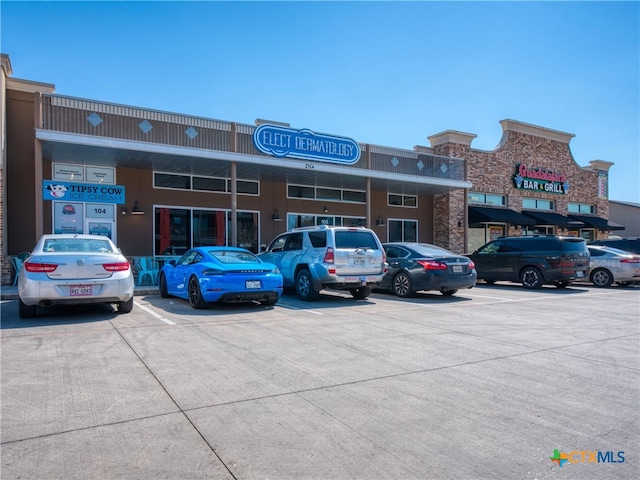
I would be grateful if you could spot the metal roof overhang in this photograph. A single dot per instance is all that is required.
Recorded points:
(89, 150)
(498, 215)
(550, 218)
(598, 222)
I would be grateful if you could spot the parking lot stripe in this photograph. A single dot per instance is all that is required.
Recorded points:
(301, 309)
(152, 313)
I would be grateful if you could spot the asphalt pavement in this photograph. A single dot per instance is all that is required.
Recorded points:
(497, 382)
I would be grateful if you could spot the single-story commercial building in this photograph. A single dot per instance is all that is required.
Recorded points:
(160, 182)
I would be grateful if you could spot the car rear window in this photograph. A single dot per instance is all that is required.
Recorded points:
(355, 239)
(77, 245)
(574, 245)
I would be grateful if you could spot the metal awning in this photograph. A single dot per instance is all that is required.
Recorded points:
(550, 218)
(498, 215)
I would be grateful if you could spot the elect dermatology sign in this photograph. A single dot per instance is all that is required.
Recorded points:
(288, 142)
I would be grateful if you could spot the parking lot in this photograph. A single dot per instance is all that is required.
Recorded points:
(485, 384)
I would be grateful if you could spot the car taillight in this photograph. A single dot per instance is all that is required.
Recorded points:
(329, 256)
(40, 267)
(630, 260)
(432, 265)
(471, 265)
(116, 267)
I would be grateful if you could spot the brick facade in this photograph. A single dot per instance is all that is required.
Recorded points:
(492, 172)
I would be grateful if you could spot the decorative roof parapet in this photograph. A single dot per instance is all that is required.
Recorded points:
(599, 165)
(451, 136)
(536, 131)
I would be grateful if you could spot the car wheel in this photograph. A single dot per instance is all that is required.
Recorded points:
(304, 286)
(125, 307)
(164, 293)
(402, 285)
(360, 293)
(601, 278)
(26, 311)
(489, 282)
(195, 295)
(448, 293)
(562, 284)
(531, 277)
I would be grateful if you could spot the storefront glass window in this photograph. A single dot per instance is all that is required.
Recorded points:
(537, 204)
(209, 228)
(403, 231)
(248, 231)
(173, 230)
(581, 208)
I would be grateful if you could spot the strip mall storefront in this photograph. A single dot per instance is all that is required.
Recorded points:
(159, 182)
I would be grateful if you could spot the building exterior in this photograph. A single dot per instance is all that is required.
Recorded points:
(160, 182)
(626, 214)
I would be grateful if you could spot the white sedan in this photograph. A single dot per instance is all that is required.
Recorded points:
(72, 269)
(609, 265)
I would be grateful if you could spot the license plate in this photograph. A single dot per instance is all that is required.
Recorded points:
(81, 290)
(579, 274)
(358, 261)
(252, 284)
(457, 269)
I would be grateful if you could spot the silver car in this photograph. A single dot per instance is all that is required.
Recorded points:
(339, 258)
(609, 265)
(71, 269)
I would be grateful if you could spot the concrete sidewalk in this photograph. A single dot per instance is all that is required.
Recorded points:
(9, 292)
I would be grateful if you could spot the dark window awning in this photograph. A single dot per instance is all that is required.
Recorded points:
(550, 218)
(498, 215)
(598, 222)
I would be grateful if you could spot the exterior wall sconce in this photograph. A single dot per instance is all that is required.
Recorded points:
(123, 210)
(325, 209)
(380, 221)
(136, 210)
(276, 216)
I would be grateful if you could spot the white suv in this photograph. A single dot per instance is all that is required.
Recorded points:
(340, 258)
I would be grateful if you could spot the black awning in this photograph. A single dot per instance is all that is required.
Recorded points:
(616, 226)
(550, 218)
(597, 222)
(498, 215)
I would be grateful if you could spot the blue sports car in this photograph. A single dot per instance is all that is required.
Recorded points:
(220, 274)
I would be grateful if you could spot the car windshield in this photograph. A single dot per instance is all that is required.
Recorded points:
(233, 256)
(77, 245)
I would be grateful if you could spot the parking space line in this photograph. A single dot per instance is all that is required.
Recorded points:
(152, 313)
(301, 309)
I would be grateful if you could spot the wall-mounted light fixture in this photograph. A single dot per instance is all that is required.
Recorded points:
(380, 221)
(136, 210)
(325, 209)
(123, 210)
(276, 216)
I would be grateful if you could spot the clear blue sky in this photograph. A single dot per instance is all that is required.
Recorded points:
(387, 73)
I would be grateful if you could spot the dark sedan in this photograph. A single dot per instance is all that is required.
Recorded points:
(422, 266)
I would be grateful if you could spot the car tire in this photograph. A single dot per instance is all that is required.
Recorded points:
(489, 282)
(402, 285)
(531, 277)
(304, 286)
(195, 295)
(601, 277)
(561, 284)
(26, 311)
(162, 282)
(360, 293)
(448, 293)
(125, 307)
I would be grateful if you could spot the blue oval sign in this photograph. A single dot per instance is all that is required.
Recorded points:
(288, 142)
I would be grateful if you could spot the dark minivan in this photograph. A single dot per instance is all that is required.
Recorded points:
(533, 260)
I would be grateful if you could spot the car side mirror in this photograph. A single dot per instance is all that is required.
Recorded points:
(172, 263)
(263, 248)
